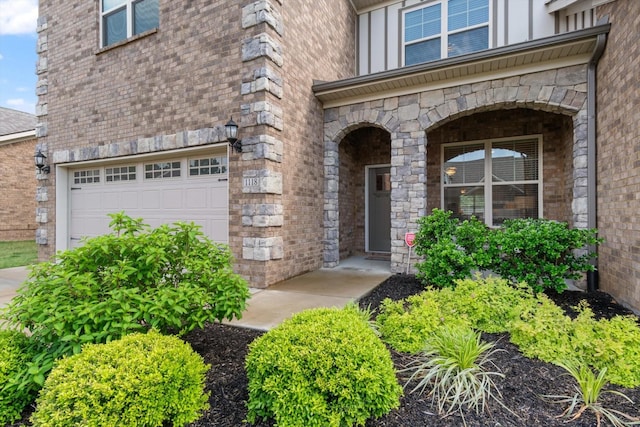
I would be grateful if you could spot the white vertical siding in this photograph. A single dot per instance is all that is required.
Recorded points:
(378, 40)
(544, 22)
(393, 35)
(512, 21)
(363, 44)
(518, 21)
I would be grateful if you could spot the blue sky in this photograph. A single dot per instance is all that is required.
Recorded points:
(18, 20)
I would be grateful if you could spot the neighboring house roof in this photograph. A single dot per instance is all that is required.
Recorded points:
(14, 122)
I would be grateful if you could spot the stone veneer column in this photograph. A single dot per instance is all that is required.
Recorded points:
(42, 89)
(265, 82)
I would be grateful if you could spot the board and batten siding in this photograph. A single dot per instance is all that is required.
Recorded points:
(511, 21)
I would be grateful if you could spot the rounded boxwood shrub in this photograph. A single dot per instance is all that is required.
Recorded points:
(140, 380)
(15, 354)
(322, 367)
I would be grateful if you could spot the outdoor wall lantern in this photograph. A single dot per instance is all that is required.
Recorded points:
(231, 128)
(40, 159)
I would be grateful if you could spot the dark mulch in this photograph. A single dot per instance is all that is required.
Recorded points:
(225, 348)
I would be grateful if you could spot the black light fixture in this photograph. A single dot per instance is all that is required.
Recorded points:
(231, 129)
(39, 160)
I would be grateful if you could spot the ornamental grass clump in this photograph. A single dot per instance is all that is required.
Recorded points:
(322, 367)
(141, 380)
(456, 370)
(589, 388)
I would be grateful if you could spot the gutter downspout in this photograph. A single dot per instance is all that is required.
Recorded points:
(592, 182)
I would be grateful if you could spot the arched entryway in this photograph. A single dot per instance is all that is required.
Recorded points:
(364, 192)
(502, 164)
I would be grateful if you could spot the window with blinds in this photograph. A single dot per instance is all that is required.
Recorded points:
(445, 29)
(494, 180)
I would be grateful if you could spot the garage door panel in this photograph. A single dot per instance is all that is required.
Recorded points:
(129, 200)
(151, 199)
(201, 199)
(172, 199)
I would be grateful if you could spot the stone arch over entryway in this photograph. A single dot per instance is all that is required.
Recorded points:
(408, 118)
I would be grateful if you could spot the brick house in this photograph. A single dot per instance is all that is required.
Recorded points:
(356, 118)
(17, 175)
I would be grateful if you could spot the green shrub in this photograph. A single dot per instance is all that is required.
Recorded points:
(455, 367)
(407, 324)
(321, 367)
(545, 332)
(451, 249)
(489, 305)
(140, 380)
(15, 353)
(171, 278)
(541, 253)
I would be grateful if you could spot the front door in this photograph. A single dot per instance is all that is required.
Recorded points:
(379, 209)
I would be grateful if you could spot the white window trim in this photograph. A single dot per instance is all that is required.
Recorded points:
(444, 30)
(488, 184)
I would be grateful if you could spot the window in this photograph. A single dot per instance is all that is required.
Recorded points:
(122, 19)
(161, 170)
(445, 29)
(91, 176)
(122, 173)
(514, 186)
(208, 166)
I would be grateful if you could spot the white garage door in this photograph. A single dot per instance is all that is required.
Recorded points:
(160, 191)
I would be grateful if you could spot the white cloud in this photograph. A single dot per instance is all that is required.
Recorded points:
(21, 104)
(1, 56)
(16, 102)
(18, 16)
(23, 89)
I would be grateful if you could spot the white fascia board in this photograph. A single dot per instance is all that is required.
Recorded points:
(17, 137)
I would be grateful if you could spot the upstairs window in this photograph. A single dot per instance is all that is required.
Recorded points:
(122, 19)
(445, 29)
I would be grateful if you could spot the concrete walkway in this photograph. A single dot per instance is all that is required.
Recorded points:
(10, 281)
(267, 308)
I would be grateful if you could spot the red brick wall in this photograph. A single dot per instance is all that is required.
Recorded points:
(618, 141)
(557, 139)
(18, 194)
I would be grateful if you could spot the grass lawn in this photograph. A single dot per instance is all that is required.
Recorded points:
(16, 254)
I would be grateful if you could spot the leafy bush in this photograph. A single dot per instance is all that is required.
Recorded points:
(171, 278)
(489, 305)
(15, 353)
(541, 253)
(321, 367)
(454, 366)
(406, 325)
(451, 249)
(545, 332)
(140, 380)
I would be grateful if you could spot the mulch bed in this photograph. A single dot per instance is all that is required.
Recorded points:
(225, 348)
